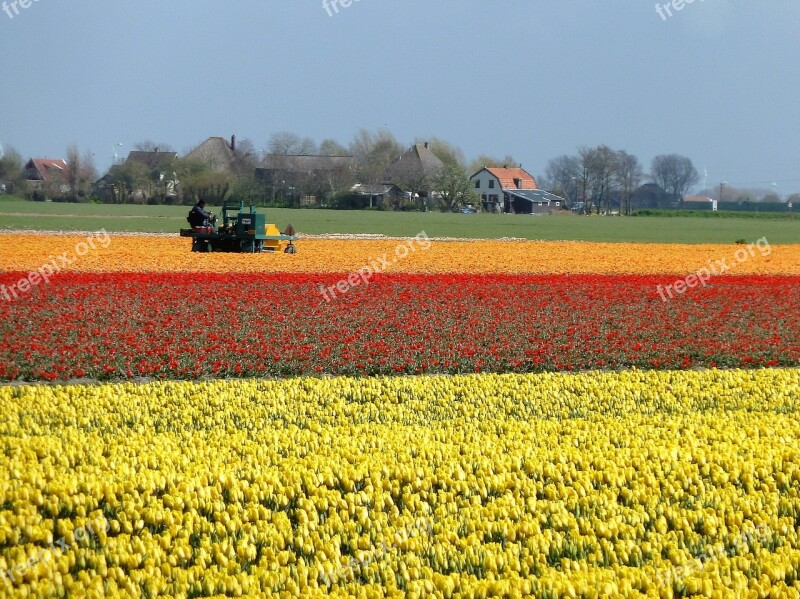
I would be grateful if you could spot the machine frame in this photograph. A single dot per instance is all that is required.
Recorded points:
(240, 232)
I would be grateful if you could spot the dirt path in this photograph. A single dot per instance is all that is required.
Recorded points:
(332, 236)
(121, 216)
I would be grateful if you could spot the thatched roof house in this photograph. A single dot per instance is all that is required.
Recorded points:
(152, 160)
(415, 165)
(217, 153)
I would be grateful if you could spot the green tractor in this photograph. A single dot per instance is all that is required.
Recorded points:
(240, 232)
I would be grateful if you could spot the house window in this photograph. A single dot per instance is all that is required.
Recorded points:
(518, 183)
(491, 183)
(477, 183)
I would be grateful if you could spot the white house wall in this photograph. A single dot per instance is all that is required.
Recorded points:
(484, 177)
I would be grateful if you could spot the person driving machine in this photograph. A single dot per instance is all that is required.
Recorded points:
(200, 217)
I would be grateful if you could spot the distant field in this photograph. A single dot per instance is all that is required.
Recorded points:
(18, 214)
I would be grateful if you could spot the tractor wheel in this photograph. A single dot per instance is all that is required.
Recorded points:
(290, 249)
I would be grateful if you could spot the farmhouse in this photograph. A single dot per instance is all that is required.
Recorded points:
(379, 195)
(512, 190)
(306, 176)
(48, 170)
(154, 160)
(415, 171)
(217, 153)
(157, 166)
(47, 173)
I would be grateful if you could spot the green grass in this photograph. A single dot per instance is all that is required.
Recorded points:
(715, 214)
(20, 214)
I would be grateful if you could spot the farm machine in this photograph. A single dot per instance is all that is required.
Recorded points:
(241, 231)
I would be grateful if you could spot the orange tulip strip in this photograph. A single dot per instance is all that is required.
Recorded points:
(172, 254)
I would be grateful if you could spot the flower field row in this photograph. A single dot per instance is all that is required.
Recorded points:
(190, 326)
(418, 255)
(597, 484)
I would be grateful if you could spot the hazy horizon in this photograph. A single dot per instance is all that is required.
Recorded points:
(713, 81)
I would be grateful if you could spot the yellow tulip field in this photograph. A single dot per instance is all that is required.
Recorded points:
(636, 483)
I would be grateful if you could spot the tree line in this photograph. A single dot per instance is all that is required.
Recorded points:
(175, 179)
(597, 179)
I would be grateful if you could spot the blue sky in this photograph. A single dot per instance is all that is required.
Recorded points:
(717, 81)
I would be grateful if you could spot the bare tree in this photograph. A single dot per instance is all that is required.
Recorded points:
(564, 173)
(332, 181)
(11, 169)
(150, 146)
(415, 182)
(490, 161)
(605, 165)
(675, 174)
(245, 158)
(73, 160)
(628, 174)
(374, 152)
(446, 152)
(87, 174)
(291, 144)
(81, 172)
(595, 179)
(331, 147)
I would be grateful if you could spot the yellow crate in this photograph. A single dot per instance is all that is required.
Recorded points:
(272, 244)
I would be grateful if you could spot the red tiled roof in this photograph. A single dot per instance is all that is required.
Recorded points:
(507, 176)
(50, 169)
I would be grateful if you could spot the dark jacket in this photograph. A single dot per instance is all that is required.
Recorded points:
(198, 216)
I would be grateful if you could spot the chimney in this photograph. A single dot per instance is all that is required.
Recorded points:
(426, 145)
(233, 143)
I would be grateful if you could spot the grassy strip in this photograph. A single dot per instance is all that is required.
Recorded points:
(49, 216)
